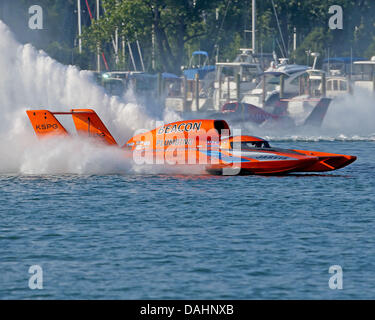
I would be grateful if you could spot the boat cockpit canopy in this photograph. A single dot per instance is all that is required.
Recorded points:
(249, 145)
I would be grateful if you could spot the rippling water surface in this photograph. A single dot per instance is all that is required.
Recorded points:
(192, 237)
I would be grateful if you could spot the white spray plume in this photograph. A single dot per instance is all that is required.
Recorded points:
(30, 79)
(349, 117)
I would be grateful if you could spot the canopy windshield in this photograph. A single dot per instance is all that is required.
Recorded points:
(247, 145)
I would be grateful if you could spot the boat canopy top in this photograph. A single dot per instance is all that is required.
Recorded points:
(204, 53)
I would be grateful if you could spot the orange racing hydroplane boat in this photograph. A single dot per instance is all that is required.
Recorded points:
(195, 142)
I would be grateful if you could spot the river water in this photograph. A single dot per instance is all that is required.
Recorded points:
(141, 236)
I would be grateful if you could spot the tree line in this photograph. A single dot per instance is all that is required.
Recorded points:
(166, 32)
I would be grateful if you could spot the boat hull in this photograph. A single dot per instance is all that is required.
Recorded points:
(262, 168)
(326, 161)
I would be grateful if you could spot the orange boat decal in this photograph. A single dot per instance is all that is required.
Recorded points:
(180, 127)
(224, 157)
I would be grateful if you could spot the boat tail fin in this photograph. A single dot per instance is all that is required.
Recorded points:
(45, 123)
(88, 123)
(317, 115)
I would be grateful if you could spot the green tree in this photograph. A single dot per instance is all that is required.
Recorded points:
(181, 26)
(173, 22)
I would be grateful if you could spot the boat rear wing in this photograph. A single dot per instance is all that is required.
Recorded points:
(86, 121)
(45, 123)
(316, 117)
